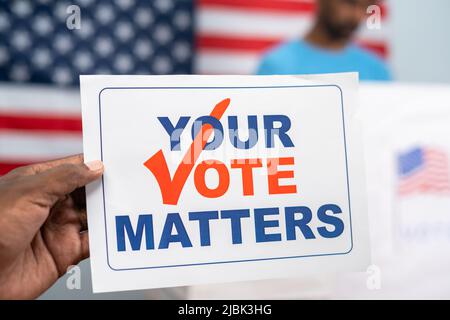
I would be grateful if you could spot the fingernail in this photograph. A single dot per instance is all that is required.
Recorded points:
(95, 165)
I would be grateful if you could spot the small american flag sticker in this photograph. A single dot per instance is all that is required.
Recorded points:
(423, 170)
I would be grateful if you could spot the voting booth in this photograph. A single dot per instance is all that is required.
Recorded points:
(409, 231)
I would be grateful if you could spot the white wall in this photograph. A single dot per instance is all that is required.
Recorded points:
(420, 40)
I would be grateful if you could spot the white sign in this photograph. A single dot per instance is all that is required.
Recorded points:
(223, 178)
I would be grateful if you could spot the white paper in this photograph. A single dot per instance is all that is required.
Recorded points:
(139, 242)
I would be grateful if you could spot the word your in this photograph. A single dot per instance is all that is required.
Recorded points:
(274, 126)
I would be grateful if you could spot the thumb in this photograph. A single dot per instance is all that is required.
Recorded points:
(59, 181)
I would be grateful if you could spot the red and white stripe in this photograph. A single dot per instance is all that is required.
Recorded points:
(432, 177)
(231, 35)
(37, 123)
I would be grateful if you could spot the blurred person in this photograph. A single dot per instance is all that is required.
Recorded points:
(43, 228)
(328, 46)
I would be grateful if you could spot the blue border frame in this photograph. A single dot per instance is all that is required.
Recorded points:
(231, 261)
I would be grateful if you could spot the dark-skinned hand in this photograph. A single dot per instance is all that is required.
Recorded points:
(43, 227)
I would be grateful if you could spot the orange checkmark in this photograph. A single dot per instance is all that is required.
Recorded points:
(171, 187)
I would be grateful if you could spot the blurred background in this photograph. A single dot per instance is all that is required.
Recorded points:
(45, 45)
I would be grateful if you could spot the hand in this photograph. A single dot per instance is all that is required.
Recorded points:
(43, 227)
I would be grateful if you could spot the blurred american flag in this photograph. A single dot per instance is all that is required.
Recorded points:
(41, 59)
(120, 37)
(423, 170)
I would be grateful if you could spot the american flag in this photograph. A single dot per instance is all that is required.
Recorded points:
(120, 37)
(423, 171)
(41, 59)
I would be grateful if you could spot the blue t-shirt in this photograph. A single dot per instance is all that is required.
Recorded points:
(299, 57)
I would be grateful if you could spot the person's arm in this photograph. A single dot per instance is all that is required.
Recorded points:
(43, 227)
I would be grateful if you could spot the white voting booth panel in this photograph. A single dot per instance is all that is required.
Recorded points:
(411, 264)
